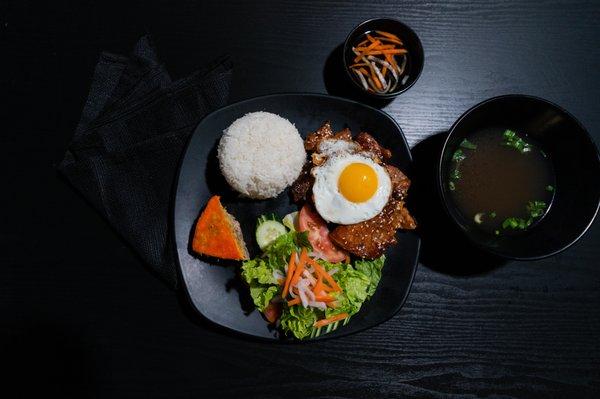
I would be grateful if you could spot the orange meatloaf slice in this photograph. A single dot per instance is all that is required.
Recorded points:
(218, 234)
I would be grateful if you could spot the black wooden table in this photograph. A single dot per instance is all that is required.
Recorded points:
(81, 316)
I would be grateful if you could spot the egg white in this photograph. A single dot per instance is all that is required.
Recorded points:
(333, 206)
(332, 147)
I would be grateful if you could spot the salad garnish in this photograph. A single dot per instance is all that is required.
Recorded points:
(304, 294)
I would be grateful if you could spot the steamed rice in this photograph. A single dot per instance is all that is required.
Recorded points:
(260, 154)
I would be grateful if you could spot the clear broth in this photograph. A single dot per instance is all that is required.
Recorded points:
(498, 181)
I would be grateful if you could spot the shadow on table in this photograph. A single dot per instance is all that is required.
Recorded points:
(444, 247)
(338, 83)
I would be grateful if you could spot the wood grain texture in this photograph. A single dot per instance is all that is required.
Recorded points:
(82, 317)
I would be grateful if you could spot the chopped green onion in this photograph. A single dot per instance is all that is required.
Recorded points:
(497, 232)
(510, 222)
(467, 144)
(511, 139)
(492, 214)
(549, 188)
(536, 208)
(509, 134)
(516, 223)
(458, 156)
(455, 174)
(451, 186)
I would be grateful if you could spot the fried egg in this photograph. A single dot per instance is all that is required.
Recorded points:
(350, 188)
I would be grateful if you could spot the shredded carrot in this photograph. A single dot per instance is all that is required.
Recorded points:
(330, 320)
(376, 79)
(318, 288)
(363, 71)
(373, 47)
(385, 47)
(370, 38)
(384, 52)
(366, 50)
(391, 60)
(326, 275)
(388, 35)
(299, 267)
(288, 278)
(324, 298)
(360, 64)
(384, 70)
(388, 40)
(293, 302)
(328, 288)
(363, 42)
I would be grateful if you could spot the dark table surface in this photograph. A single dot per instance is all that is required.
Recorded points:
(81, 316)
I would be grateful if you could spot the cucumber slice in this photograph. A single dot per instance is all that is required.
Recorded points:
(267, 231)
(291, 221)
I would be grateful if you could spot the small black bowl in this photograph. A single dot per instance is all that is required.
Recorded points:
(576, 165)
(415, 58)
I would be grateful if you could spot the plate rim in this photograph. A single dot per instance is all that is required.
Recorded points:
(183, 287)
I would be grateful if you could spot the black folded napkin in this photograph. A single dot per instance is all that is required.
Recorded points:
(124, 154)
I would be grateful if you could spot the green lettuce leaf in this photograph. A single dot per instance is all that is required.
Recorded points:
(354, 286)
(262, 294)
(259, 271)
(298, 320)
(279, 250)
(263, 285)
(371, 269)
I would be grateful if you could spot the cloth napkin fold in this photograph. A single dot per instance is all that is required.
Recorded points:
(126, 148)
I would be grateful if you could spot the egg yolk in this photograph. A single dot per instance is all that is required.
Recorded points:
(357, 182)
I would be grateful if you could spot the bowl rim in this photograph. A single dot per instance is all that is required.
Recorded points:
(445, 200)
(347, 69)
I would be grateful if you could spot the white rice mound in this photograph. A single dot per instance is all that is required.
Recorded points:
(260, 154)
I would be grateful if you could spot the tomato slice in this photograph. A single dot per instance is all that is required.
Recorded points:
(272, 312)
(318, 235)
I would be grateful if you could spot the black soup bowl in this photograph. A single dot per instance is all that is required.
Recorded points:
(576, 164)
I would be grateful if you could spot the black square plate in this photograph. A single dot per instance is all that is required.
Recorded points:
(214, 287)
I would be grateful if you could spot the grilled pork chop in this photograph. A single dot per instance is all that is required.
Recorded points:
(369, 239)
(302, 187)
(400, 183)
(368, 143)
(344, 134)
(313, 139)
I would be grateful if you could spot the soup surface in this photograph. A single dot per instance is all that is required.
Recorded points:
(501, 181)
